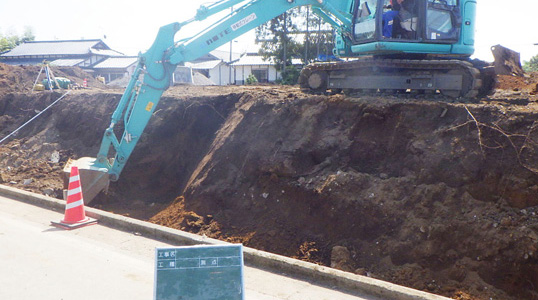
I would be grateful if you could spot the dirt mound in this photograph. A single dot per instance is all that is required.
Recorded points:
(22, 78)
(432, 195)
(527, 84)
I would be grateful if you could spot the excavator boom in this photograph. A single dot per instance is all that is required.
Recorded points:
(153, 74)
(399, 37)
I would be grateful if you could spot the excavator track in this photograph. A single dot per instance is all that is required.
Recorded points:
(452, 78)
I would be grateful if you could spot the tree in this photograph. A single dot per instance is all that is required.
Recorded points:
(531, 65)
(297, 33)
(318, 37)
(290, 75)
(276, 39)
(11, 41)
(251, 79)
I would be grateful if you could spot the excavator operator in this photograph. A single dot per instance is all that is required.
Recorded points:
(401, 20)
(391, 13)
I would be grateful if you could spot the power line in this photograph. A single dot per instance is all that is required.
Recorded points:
(23, 125)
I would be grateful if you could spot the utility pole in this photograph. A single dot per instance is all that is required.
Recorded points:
(319, 35)
(306, 40)
(231, 57)
(285, 42)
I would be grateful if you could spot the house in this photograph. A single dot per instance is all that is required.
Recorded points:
(116, 67)
(216, 66)
(217, 71)
(95, 57)
(80, 53)
(264, 70)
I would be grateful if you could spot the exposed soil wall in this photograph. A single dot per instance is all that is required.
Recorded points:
(434, 195)
(419, 193)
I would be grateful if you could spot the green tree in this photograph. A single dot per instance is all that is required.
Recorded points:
(10, 41)
(298, 34)
(275, 38)
(318, 36)
(290, 75)
(251, 79)
(531, 65)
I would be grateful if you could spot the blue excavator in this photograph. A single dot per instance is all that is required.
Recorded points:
(422, 46)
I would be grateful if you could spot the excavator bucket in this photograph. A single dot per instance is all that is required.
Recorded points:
(507, 62)
(92, 179)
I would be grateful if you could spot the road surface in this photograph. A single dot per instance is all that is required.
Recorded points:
(97, 262)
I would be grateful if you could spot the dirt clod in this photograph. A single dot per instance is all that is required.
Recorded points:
(341, 259)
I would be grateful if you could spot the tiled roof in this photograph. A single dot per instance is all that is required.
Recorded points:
(105, 52)
(67, 62)
(116, 62)
(80, 47)
(225, 55)
(219, 55)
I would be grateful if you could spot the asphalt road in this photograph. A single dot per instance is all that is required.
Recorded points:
(96, 262)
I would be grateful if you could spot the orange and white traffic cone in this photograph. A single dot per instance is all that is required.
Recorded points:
(75, 216)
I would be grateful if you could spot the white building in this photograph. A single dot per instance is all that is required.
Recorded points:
(216, 66)
(215, 70)
(264, 70)
(116, 67)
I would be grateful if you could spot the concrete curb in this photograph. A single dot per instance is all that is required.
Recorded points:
(256, 258)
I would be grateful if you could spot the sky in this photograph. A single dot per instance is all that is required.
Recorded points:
(131, 26)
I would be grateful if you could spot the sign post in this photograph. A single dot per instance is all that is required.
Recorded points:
(199, 272)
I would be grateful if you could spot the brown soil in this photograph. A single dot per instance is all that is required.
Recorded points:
(433, 195)
(527, 85)
(22, 78)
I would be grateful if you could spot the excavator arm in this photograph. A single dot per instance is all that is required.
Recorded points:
(153, 75)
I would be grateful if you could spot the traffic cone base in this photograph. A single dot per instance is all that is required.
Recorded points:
(88, 221)
(75, 217)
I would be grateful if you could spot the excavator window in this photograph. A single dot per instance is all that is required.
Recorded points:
(365, 11)
(441, 20)
(436, 21)
(365, 21)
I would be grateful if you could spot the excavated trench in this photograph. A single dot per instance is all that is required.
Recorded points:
(434, 195)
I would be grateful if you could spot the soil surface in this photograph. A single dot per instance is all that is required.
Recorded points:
(416, 190)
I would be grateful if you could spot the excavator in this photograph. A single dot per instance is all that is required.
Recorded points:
(384, 45)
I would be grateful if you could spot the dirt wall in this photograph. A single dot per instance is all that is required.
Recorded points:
(433, 195)
(440, 197)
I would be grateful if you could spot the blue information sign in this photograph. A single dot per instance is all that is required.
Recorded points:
(199, 273)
